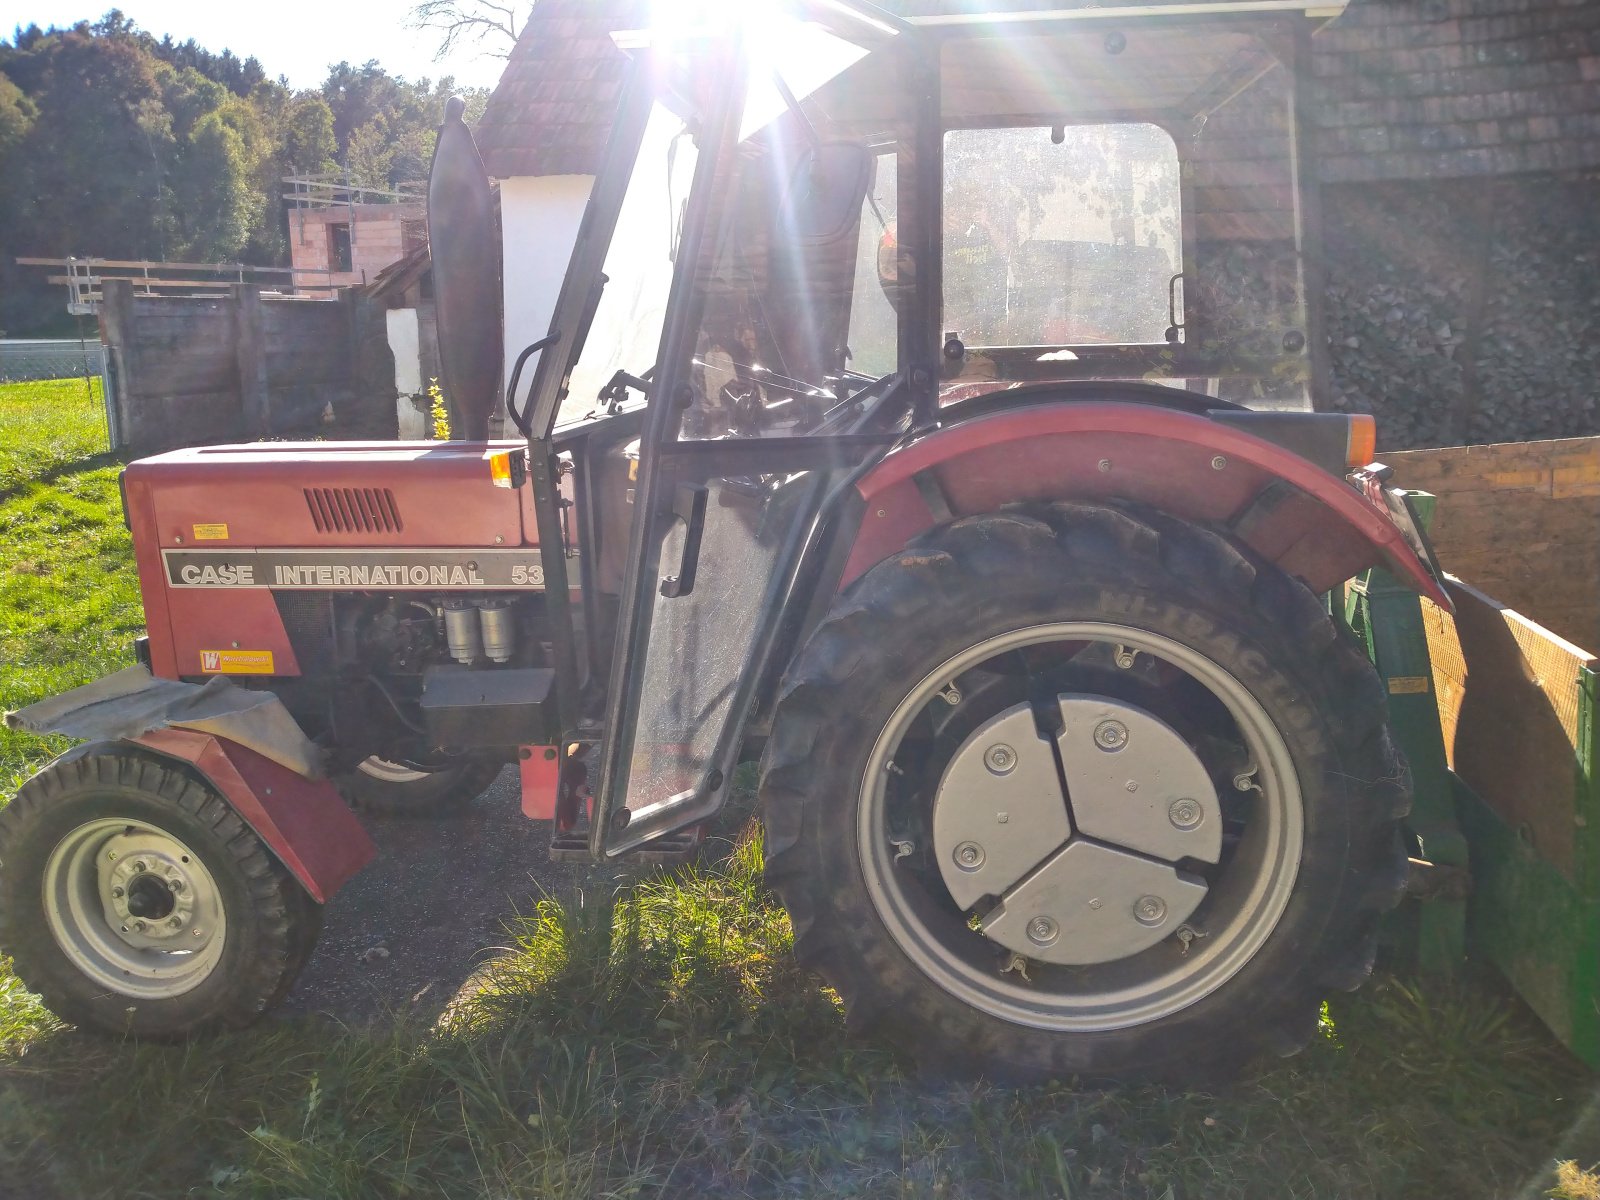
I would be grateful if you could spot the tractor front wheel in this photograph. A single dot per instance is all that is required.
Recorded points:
(134, 900)
(1086, 791)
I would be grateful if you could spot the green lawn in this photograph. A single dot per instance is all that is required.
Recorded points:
(670, 1047)
(67, 588)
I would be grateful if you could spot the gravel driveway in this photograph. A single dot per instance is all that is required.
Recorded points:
(436, 899)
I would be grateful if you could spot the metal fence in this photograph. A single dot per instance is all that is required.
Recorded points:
(22, 360)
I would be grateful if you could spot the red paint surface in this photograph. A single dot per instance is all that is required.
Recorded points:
(214, 620)
(153, 590)
(540, 770)
(1156, 456)
(442, 490)
(305, 821)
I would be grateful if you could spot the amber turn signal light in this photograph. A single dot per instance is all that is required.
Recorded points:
(1361, 442)
(508, 469)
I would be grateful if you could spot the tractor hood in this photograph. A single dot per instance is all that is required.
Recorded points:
(370, 494)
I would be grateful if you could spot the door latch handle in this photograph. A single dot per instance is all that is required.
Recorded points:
(688, 506)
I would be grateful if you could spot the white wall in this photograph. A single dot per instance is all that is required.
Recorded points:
(539, 220)
(406, 345)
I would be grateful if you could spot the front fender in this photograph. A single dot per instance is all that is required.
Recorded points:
(1313, 525)
(305, 822)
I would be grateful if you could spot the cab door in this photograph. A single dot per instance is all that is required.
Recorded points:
(759, 407)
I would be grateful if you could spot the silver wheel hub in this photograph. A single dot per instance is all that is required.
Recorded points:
(147, 889)
(134, 909)
(1083, 871)
(1081, 858)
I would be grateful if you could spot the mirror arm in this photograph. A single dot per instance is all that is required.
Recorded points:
(793, 105)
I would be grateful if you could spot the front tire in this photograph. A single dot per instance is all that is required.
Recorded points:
(1173, 626)
(134, 900)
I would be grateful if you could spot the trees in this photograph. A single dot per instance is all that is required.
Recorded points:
(116, 144)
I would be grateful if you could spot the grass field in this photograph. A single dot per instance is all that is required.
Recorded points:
(668, 1046)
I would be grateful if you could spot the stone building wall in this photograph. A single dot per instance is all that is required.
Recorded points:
(1465, 311)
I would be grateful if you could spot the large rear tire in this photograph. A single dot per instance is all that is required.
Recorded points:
(134, 900)
(1175, 627)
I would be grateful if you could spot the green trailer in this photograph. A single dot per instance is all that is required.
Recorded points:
(1495, 705)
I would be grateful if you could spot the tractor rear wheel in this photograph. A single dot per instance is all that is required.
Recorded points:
(134, 900)
(390, 788)
(1083, 791)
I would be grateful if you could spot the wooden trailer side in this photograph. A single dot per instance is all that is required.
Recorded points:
(1521, 522)
(1518, 712)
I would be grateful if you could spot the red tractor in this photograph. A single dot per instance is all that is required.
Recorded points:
(927, 413)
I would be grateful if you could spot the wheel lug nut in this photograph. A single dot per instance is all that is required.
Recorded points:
(177, 885)
(175, 923)
(116, 893)
(139, 926)
(1150, 910)
(138, 866)
(1043, 930)
(1185, 814)
(1000, 758)
(1111, 735)
(969, 856)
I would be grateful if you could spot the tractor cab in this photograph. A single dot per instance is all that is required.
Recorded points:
(824, 232)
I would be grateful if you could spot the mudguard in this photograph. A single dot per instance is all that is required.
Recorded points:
(1312, 524)
(305, 821)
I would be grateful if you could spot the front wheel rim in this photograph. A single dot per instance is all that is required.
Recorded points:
(134, 909)
(1144, 988)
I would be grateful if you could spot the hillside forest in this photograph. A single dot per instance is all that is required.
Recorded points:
(117, 144)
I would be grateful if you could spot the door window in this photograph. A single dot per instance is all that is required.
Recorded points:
(1061, 236)
(873, 342)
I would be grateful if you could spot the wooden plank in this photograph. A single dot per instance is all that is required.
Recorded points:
(219, 269)
(1521, 521)
(1509, 707)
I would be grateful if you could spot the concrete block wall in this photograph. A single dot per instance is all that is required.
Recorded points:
(188, 370)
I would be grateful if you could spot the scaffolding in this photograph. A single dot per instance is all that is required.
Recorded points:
(84, 277)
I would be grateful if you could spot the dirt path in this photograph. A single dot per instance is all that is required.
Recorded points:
(436, 899)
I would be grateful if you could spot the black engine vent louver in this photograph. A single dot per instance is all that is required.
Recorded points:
(353, 510)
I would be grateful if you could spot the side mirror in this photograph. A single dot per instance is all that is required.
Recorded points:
(825, 194)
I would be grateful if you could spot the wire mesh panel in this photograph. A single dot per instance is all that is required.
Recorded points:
(25, 361)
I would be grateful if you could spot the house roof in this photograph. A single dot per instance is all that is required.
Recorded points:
(1403, 89)
(399, 275)
(552, 110)
(1435, 89)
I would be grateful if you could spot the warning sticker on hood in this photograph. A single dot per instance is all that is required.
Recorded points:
(236, 662)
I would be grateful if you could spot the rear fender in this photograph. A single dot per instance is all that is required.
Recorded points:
(304, 821)
(1313, 525)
